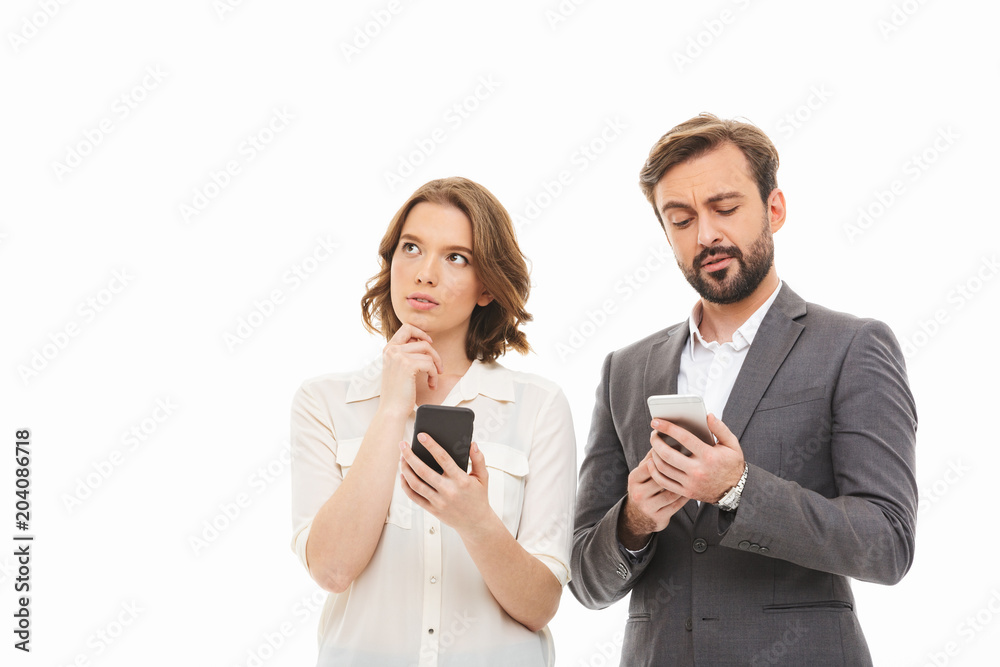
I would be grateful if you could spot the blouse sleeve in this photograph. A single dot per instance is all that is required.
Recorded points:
(546, 527)
(314, 469)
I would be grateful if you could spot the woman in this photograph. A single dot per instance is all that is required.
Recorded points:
(424, 568)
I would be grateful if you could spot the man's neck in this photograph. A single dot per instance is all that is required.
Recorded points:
(720, 321)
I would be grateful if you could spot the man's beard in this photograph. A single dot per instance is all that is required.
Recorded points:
(750, 271)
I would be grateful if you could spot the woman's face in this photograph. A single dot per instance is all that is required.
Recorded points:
(433, 280)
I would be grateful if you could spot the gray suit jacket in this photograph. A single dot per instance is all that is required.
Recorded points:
(826, 420)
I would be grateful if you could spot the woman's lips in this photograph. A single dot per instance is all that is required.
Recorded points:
(421, 302)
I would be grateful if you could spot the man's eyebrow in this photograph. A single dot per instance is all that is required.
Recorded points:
(673, 204)
(723, 196)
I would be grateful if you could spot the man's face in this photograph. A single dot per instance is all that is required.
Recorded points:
(717, 225)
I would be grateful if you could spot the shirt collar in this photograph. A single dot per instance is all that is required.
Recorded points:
(742, 337)
(488, 379)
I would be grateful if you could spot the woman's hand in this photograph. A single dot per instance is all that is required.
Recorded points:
(405, 359)
(456, 498)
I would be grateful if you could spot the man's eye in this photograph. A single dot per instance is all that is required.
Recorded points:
(681, 223)
(730, 211)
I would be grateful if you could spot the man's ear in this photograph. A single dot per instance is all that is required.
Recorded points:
(776, 209)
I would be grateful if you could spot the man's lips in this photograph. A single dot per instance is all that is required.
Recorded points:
(716, 263)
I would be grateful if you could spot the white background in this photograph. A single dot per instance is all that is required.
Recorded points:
(849, 98)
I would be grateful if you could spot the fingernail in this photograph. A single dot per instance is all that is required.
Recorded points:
(422, 437)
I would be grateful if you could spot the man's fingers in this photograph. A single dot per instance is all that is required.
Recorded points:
(692, 442)
(661, 480)
(667, 453)
(722, 433)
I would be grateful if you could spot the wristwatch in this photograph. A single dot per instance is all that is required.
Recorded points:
(730, 501)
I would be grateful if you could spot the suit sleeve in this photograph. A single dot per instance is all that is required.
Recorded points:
(867, 530)
(601, 574)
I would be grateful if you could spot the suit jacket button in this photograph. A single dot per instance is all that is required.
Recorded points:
(764, 550)
(744, 545)
(622, 571)
(755, 547)
(688, 625)
(700, 545)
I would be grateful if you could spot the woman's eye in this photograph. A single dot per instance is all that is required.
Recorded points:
(457, 259)
(408, 248)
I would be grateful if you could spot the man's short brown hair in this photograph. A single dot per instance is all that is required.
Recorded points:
(697, 136)
(496, 258)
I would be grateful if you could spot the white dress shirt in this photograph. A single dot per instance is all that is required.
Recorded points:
(709, 368)
(421, 600)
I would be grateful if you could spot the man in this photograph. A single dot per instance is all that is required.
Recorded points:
(741, 552)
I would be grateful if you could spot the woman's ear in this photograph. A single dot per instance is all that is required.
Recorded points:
(484, 299)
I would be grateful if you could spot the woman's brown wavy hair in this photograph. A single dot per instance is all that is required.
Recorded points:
(497, 259)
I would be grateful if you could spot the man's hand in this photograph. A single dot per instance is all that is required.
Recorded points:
(708, 473)
(648, 507)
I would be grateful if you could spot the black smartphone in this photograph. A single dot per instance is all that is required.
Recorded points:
(451, 427)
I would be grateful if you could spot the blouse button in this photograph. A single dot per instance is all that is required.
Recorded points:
(431, 531)
(434, 580)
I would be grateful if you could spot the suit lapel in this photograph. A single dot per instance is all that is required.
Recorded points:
(662, 366)
(774, 340)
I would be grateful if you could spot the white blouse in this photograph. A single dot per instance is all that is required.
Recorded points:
(421, 600)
